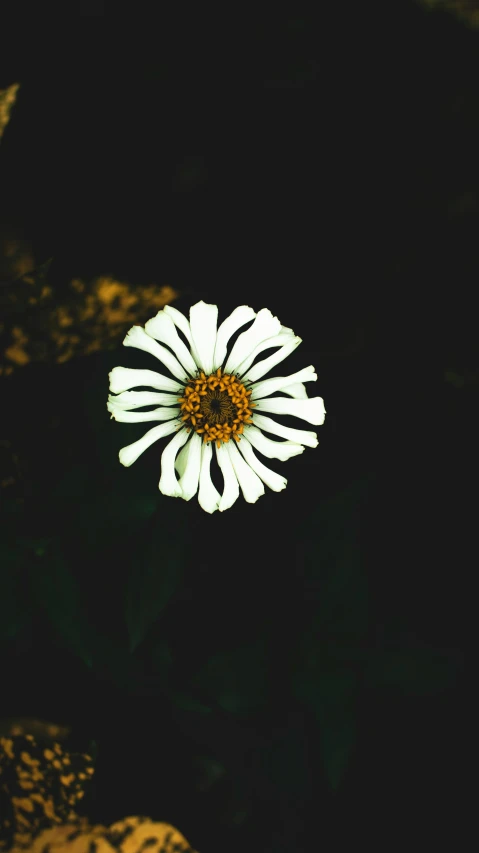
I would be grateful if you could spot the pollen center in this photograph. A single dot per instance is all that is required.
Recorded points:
(216, 406)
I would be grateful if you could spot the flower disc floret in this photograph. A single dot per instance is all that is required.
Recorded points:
(217, 406)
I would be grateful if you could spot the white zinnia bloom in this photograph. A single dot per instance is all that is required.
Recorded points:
(216, 398)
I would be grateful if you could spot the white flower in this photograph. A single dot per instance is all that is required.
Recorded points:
(215, 398)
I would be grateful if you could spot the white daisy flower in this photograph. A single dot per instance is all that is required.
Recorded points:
(217, 398)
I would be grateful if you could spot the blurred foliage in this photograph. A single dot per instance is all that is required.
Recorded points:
(38, 326)
(41, 785)
(7, 99)
(462, 378)
(465, 10)
(130, 835)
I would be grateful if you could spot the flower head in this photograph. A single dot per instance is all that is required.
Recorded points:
(215, 399)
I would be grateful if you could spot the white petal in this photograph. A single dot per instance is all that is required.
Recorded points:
(181, 460)
(279, 383)
(311, 410)
(273, 480)
(300, 436)
(265, 326)
(131, 452)
(272, 449)
(231, 489)
(190, 471)
(164, 413)
(241, 315)
(208, 497)
(180, 321)
(276, 341)
(183, 324)
(136, 399)
(203, 319)
(137, 337)
(286, 330)
(259, 370)
(250, 483)
(297, 390)
(124, 378)
(163, 329)
(168, 484)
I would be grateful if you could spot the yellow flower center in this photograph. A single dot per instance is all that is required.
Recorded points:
(216, 406)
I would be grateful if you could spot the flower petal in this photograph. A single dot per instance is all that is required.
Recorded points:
(168, 484)
(137, 337)
(203, 319)
(181, 460)
(250, 483)
(131, 452)
(297, 390)
(189, 470)
(180, 321)
(136, 399)
(231, 489)
(265, 326)
(208, 496)
(258, 370)
(311, 410)
(300, 436)
(183, 324)
(164, 413)
(124, 378)
(273, 480)
(272, 449)
(241, 315)
(270, 386)
(276, 341)
(163, 329)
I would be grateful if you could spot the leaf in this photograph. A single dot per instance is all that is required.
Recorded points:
(236, 679)
(104, 520)
(13, 607)
(57, 590)
(421, 671)
(21, 297)
(188, 703)
(337, 725)
(330, 695)
(287, 759)
(156, 570)
(329, 553)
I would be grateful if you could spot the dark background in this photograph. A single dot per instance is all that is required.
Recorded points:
(305, 678)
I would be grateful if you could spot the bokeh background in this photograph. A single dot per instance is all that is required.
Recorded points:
(293, 671)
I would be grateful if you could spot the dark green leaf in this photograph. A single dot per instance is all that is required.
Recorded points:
(329, 554)
(188, 703)
(157, 568)
(330, 694)
(14, 612)
(419, 671)
(337, 726)
(287, 759)
(236, 679)
(57, 590)
(104, 520)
